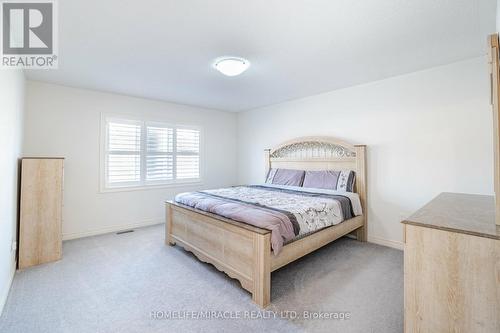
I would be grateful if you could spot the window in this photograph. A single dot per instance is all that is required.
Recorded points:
(139, 153)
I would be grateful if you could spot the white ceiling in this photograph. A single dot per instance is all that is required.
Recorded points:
(163, 49)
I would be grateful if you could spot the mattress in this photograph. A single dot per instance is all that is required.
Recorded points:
(289, 212)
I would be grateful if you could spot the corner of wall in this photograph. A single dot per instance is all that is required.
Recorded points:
(6, 287)
(12, 88)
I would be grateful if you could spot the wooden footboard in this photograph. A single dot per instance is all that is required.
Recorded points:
(240, 250)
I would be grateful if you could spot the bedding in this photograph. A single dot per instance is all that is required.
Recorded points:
(342, 180)
(346, 181)
(289, 212)
(286, 177)
(326, 179)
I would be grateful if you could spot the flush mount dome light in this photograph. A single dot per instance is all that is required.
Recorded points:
(231, 66)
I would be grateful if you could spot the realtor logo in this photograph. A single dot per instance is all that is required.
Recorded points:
(29, 34)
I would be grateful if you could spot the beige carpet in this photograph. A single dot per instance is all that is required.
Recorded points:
(131, 282)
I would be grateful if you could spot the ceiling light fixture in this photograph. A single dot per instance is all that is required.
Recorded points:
(231, 66)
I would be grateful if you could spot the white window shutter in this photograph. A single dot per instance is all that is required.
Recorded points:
(139, 153)
(188, 153)
(123, 158)
(159, 153)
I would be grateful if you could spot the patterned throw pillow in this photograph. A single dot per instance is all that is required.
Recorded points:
(346, 181)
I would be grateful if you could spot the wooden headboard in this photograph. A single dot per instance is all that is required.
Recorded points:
(321, 153)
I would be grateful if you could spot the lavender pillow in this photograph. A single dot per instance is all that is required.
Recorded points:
(326, 179)
(286, 177)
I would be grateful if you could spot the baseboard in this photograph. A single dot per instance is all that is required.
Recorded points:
(386, 242)
(382, 241)
(94, 232)
(6, 288)
(114, 228)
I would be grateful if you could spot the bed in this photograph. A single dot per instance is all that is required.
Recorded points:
(250, 253)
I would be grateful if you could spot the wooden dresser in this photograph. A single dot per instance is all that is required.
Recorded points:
(40, 234)
(452, 266)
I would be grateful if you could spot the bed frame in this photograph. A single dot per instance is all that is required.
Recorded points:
(243, 251)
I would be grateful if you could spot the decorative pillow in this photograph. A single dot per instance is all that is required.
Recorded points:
(326, 179)
(270, 175)
(346, 181)
(285, 177)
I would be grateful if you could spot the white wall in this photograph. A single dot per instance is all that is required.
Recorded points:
(63, 121)
(498, 16)
(426, 132)
(11, 134)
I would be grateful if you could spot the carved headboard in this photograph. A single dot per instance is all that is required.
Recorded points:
(321, 153)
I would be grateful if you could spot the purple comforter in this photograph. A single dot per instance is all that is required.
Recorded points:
(286, 213)
(279, 223)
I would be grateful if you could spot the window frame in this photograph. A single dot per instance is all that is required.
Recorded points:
(143, 184)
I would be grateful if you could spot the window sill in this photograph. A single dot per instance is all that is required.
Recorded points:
(149, 187)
